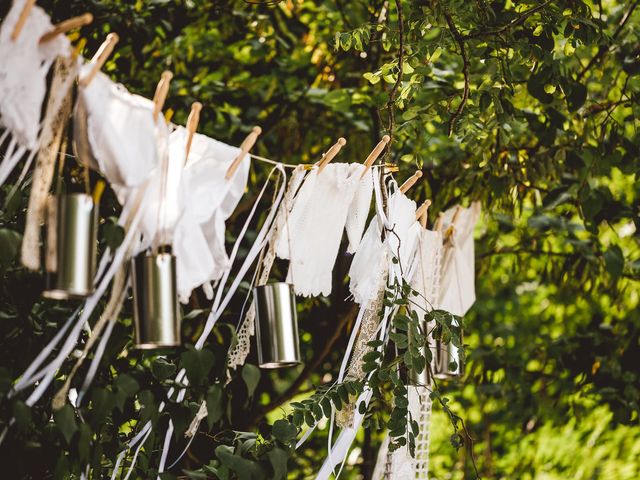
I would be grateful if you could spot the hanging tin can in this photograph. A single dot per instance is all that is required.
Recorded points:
(444, 357)
(71, 246)
(276, 325)
(156, 313)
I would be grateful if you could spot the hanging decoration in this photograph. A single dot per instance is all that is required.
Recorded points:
(72, 246)
(177, 189)
(51, 140)
(156, 314)
(277, 326)
(246, 329)
(25, 62)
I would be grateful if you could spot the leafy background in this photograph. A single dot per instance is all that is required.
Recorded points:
(529, 107)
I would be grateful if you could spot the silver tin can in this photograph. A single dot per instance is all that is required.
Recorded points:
(156, 313)
(276, 325)
(71, 247)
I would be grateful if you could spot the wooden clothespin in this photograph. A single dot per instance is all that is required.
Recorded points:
(192, 125)
(375, 153)
(22, 19)
(411, 181)
(161, 93)
(454, 219)
(438, 225)
(100, 57)
(67, 25)
(332, 152)
(421, 213)
(245, 147)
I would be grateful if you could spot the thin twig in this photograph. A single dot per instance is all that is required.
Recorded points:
(465, 70)
(513, 23)
(605, 48)
(394, 89)
(526, 251)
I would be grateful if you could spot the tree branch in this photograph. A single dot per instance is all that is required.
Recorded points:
(394, 90)
(526, 251)
(465, 70)
(605, 48)
(513, 23)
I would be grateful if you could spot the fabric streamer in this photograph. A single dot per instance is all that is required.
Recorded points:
(119, 133)
(400, 241)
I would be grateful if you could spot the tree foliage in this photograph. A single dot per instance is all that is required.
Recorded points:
(529, 107)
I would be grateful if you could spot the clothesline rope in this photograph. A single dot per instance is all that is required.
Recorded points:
(307, 166)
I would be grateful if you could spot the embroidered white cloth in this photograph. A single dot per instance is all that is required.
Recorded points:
(458, 292)
(24, 64)
(205, 199)
(316, 223)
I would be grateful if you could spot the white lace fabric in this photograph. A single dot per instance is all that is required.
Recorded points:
(56, 119)
(316, 223)
(24, 65)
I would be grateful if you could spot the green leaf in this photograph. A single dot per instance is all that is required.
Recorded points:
(326, 406)
(9, 246)
(244, 468)
(65, 420)
(215, 408)
(198, 364)
(84, 442)
(251, 377)
(614, 261)
(22, 414)
(372, 78)
(284, 431)
(278, 458)
(162, 369)
(400, 339)
(112, 233)
(576, 97)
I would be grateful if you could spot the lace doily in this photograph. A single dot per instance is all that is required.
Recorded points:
(368, 329)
